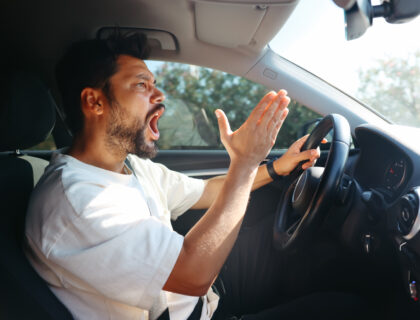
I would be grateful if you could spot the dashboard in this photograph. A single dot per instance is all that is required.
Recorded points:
(387, 174)
(383, 165)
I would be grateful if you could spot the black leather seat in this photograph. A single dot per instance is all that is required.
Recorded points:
(27, 116)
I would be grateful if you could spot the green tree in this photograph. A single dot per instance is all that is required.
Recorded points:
(392, 86)
(194, 93)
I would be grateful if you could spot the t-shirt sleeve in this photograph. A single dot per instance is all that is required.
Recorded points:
(119, 253)
(182, 192)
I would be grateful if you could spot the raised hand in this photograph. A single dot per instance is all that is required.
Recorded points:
(252, 142)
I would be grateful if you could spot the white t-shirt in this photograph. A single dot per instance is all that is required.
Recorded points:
(103, 241)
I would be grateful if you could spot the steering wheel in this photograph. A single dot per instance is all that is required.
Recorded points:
(310, 193)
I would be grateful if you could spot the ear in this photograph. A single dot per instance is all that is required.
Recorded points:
(91, 101)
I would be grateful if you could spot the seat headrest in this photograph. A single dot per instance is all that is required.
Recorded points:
(27, 112)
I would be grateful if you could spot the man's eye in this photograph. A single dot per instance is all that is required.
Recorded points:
(141, 84)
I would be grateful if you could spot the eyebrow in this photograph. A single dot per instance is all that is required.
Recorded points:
(145, 76)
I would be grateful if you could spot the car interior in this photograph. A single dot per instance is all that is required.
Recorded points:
(356, 227)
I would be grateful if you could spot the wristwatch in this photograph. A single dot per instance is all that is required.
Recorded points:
(270, 168)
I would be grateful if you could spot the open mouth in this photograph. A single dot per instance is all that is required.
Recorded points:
(153, 119)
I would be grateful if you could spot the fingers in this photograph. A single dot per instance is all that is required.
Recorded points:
(274, 111)
(307, 155)
(257, 135)
(311, 155)
(279, 122)
(224, 127)
(267, 106)
(308, 164)
(262, 105)
(300, 142)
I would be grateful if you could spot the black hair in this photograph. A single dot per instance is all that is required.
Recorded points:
(91, 63)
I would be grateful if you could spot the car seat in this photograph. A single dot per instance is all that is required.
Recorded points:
(27, 116)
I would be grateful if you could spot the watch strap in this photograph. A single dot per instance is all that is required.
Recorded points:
(270, 168)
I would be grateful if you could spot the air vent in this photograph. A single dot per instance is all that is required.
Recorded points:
(408, 216)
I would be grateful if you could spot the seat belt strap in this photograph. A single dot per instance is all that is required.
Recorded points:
(128, 164)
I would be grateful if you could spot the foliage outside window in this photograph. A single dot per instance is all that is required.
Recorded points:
(392, 87)
(194, 93)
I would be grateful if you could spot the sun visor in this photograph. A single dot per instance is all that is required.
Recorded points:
(232, 24)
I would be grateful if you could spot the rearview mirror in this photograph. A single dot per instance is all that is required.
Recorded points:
(360, 13)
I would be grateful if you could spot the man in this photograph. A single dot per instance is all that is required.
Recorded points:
(100, 235)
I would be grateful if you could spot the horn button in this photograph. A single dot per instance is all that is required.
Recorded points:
(305, 189)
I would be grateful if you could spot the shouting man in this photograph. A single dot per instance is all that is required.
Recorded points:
(100, 233)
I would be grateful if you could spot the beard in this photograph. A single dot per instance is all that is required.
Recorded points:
(124, 137)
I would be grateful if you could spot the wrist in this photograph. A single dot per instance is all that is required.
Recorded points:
(274, 170)
(244, 167)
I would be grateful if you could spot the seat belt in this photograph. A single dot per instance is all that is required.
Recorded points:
(128, 164)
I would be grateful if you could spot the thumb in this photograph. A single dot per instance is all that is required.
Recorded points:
(223, 122)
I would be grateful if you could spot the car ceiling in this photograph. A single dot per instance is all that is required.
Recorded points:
(36, 33)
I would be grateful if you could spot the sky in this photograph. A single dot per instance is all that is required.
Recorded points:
(314, 38)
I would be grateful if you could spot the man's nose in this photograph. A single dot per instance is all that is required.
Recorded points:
(157, 97)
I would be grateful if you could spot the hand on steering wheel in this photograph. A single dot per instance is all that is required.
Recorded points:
(302, 207)
(294, 155)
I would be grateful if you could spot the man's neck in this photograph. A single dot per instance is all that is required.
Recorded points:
(94, 151)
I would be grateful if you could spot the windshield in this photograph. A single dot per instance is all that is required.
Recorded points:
(381, 69)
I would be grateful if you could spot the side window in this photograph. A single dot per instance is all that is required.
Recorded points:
(194, 93)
